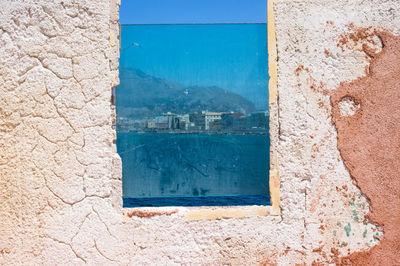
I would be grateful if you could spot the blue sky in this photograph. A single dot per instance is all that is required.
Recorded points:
(232, 57)
(192, 11)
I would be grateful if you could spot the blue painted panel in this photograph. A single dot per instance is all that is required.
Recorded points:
(192, 115)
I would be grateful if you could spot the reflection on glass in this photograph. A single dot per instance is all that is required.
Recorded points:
(192, 114)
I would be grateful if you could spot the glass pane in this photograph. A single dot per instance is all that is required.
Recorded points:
(192, 115)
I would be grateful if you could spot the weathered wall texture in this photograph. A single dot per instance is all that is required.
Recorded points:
(369, 142)
(60, 176)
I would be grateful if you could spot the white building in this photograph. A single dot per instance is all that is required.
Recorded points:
(210, 117)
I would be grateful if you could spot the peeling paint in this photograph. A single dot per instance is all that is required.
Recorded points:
(368, 140)
(146, 213)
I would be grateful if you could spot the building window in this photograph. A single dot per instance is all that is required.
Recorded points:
(192, 114)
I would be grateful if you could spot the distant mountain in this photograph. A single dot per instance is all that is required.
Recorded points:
(143, 96)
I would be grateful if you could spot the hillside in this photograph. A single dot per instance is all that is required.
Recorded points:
(143, 96)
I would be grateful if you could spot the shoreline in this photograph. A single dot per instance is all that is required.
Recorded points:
(195, 133)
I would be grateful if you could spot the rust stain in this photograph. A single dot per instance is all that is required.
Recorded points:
(362, 36)
(368, 143)
(4, 251)
(286, 251)
(269, 263)
(319, 249)
(142, 213)
(315, 202)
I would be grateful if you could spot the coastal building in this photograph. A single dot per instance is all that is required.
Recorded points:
(224, 122)
(184, 121)
(198, 119)
(125, 124)
(151, 124)
(228, 119)
(173, 121)
(209, 118)
(258, 120)
(204, 119)
(161, 122)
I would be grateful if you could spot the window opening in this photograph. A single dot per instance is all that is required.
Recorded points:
(192, 114)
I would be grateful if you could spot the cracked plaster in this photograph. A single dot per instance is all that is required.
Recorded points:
(61, 177)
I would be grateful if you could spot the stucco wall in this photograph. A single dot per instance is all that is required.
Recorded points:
(61, 177)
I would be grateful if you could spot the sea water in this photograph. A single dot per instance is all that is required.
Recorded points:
(194, 165)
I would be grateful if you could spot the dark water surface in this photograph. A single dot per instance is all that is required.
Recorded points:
(194, 169)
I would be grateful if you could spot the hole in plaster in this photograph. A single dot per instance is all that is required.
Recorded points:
(348, 106)
(376, 43)
(373, 45)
